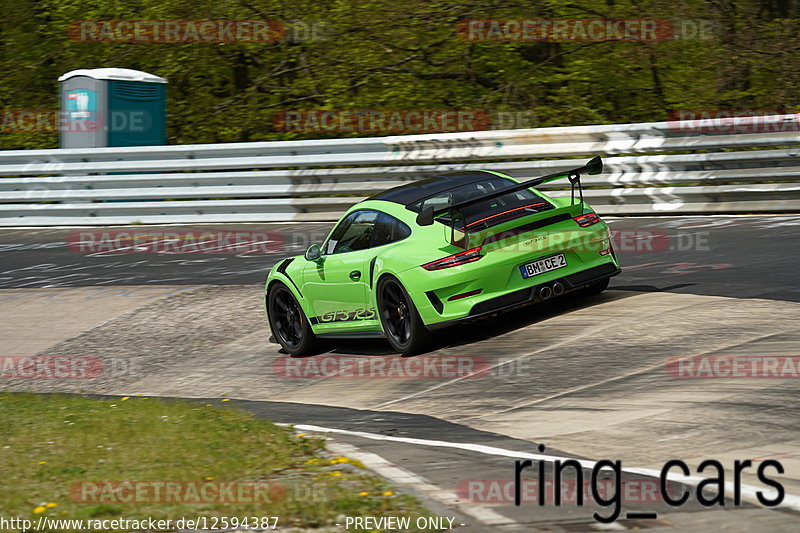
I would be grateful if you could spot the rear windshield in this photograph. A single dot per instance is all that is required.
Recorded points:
(488, 213)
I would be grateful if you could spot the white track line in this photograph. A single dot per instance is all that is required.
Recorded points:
(401, 475)
(630, 374)
(748, 492)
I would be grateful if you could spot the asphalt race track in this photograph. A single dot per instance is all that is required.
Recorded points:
(587, 378)
(736, 256)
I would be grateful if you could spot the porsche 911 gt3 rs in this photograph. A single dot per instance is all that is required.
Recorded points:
(439, 251)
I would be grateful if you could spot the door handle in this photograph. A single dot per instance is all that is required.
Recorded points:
(355, 275)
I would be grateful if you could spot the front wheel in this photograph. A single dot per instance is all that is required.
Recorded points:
(401, 322)
(288, 322)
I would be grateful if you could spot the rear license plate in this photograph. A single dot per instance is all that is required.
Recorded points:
(543, 265)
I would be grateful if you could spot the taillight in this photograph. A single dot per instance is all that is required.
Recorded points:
(587, 219)
(461, 258)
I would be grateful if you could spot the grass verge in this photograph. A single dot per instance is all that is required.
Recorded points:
(70, 457)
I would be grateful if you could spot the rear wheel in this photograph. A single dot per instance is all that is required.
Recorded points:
(401, 322)
(288, 322)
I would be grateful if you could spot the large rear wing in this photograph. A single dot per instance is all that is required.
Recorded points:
(594, 166)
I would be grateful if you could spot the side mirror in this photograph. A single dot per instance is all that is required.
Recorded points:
(425, 218)
(313, 253)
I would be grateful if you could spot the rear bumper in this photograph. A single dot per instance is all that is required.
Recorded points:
(527, 296)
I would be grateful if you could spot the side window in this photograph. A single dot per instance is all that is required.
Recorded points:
(353, 233)
(388, 229)
(337, 233)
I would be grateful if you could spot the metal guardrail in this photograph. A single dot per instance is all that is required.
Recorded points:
(725, 172)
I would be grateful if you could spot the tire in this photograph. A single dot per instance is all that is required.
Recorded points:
(595, 288)
(289, 323)
(400, 320)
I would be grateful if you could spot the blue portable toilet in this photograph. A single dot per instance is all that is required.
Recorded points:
(112, 107)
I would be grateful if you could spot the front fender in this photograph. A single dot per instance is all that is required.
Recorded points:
(288, 272)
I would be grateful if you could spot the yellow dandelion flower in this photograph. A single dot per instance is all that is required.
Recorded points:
(39, 509)
(388, 493)
(208, 478)
(42, 462)
(336, 473)
(311, 461)
(125, 398)
(225, 400)
(300, 435)
(51, 505)
(363, 493)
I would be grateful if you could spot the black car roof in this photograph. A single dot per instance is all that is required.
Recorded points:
(418, 190)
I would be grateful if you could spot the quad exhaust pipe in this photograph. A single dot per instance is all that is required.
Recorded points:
(545, 292)
(558, 288)
(553, 289)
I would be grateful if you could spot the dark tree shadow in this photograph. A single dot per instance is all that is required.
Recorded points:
(487, 328)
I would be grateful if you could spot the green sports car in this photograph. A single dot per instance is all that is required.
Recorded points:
(439, 251)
